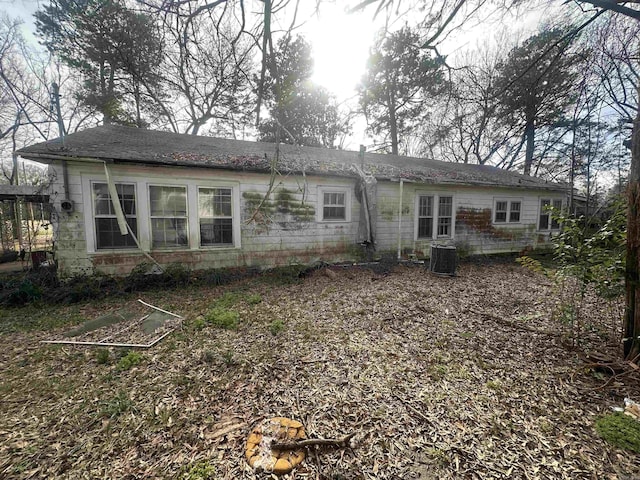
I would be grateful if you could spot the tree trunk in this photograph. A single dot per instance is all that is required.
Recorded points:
(529, 133)
(632, 277)
(393, 122)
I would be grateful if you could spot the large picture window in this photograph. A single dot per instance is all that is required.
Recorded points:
(168, 208)
(215, 209)
(108, 234)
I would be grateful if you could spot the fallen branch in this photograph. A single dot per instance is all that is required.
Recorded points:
(327, 442)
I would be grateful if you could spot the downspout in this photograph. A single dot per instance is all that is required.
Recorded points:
(400, 221)
(65, 179)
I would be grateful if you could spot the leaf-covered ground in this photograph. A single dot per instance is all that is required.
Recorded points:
(465, 377)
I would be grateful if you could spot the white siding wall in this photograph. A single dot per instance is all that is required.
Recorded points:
(289, 228)
(474, 228)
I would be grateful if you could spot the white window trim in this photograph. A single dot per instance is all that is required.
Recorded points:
(187, 217)
(417, 219)
(436, 206)
(143, 210)
(509, 200)
(322, 189)
(551, 201)
(94, 216)
(234, 213)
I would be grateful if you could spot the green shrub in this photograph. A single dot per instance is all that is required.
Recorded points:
(620, 430)
(223, 318)
(20, 293)
(129, 360)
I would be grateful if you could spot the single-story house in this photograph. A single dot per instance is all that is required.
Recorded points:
(210, 202)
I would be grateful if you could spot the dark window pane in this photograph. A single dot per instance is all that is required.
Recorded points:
(425, 227)
(544, 214)
(169, 232)
(108, 233)
(501, 217)
(217, 231)
(444, 226)
(334, 213)
(544, 221)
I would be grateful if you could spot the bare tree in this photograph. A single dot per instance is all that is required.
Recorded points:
(208, 72)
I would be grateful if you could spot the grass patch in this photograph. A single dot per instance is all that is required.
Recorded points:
(102, 356)
(223, 318)
(228, 300)
(201, 470)
(118, 405)
(620, 430)
(276, 327)
(254, 299)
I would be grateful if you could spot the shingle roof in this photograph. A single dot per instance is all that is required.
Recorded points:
(133, 145)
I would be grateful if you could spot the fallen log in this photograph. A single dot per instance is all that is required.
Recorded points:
(310, 442)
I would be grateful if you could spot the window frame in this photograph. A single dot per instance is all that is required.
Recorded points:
(186, 217)
(436, 216)
(552, 225)
(324, 189)
(421, 217)
(95, 215)
(215, 217)
(510, 201)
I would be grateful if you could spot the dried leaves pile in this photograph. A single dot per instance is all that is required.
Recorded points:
(434, 374)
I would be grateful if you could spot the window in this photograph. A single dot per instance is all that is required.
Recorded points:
(445, 212)
(334, 205)
(168, 207)
(507, 211)
(425, 216)
(501, 211)
(546, 221)
(106, 224)
(514, 212)
(216, 220)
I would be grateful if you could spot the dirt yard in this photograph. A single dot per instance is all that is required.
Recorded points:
(465, 377)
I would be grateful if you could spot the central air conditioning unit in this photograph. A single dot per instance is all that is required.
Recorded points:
(443, 260)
